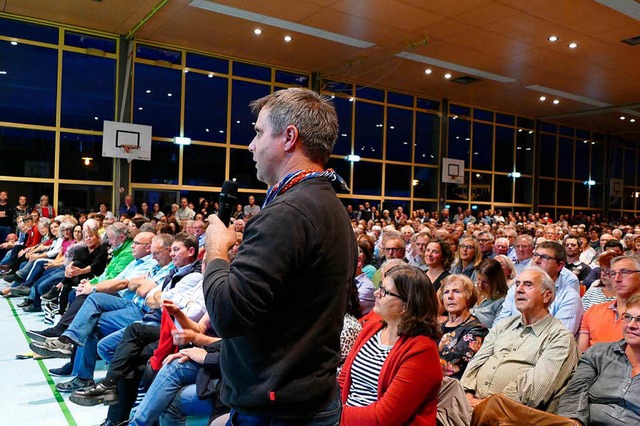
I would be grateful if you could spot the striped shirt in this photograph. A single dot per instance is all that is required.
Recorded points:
(365, 371)
(595, 296)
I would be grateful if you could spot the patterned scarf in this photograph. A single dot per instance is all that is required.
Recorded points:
(295, 178)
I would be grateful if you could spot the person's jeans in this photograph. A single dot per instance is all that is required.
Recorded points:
(172, 397)
(100, 315)
(49, 278)
(329, 416)
(32, 271)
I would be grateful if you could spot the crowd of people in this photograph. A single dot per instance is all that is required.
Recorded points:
(542, 292)
(301, 313)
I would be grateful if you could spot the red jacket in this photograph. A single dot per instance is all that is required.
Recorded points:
(407, 387)
(33, 236)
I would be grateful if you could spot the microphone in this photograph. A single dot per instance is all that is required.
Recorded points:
(228, 201)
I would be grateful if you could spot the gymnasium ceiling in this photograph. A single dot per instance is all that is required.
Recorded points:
(391, 43)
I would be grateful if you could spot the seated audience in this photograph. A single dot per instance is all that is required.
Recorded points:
(462, 333)
(604, 389)
(508, 268)
(392, 375)
(566, 305)
(438, 257)
(603, 322)
(364, 285)
(601, 290)
(467, 258)
(492, 289)
(527, 358)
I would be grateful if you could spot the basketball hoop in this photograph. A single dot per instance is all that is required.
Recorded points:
(128, 149)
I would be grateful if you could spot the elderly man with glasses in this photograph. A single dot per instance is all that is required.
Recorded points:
(567, 305)
(603, 322)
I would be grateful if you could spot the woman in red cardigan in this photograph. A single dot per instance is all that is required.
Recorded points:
(392, 374)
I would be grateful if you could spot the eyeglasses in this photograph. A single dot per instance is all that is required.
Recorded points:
(624, 273)
(544, 257)
(384, 292)
(628, 318)
(467, 247)
(393, 249)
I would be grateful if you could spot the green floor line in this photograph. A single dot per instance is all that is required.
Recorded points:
(45, 371)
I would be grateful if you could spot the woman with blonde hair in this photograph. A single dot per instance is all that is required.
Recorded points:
(467, 258)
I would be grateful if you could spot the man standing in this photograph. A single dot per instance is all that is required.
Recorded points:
(251, 209)
(279, 306)
(184, 212)
(128, 208)
(6, 216)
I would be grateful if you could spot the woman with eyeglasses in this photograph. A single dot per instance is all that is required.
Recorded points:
(438, 257)
(467, 258)
(604, 389)
(492, 289)
(601, 290)
(462, 333)
(392, 374)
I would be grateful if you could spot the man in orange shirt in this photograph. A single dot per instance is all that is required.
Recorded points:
(603, 322)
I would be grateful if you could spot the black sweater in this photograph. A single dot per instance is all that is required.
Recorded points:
(279, 306)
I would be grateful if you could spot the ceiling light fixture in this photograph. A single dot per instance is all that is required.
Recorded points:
(543, 98)
(3, 73)
(427, 71)
(261, 19)
(622, 117)
(447, 76)
(633, 120)
(553, 38)
(14, 43)
(87, 160)
(556, 101)
(257, 31)
(455, 67)
(148, 91)
(210, 75)
(287, 38)
(572, 45)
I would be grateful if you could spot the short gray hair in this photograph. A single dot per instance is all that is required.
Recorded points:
(314, 117)
(118, 229)
(545, 280)
(165, 239)
(633, 258)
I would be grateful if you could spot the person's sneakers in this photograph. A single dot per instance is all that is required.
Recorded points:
(75, 385)
(25, 303)
(42, 335)
(10, 277)
(20, 291)
(108, 422)
(31, 308)
(52, 348)
(99, 394)
(50, 295)
(64, 371)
